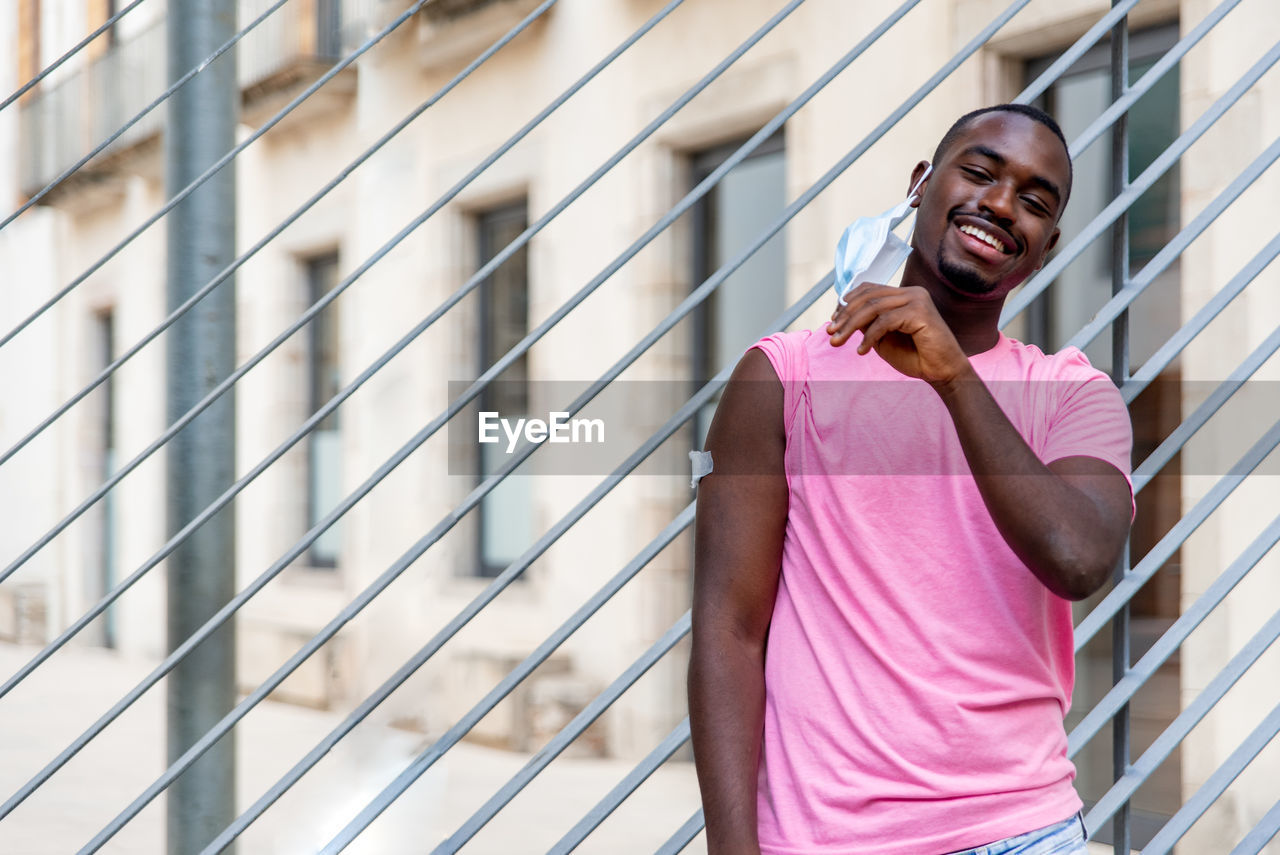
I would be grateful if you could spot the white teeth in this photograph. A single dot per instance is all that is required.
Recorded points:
(982, 236)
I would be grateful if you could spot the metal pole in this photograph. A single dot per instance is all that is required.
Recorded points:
(1120, 630)
(200, 240)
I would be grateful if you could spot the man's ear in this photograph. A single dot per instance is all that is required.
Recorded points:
(916, 175)
(1048, 247)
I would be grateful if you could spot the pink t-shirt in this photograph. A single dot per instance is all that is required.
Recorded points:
(916, 672)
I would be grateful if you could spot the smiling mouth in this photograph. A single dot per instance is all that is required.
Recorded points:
(987, 238)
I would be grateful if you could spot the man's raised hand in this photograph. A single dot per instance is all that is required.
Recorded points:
(904, 328)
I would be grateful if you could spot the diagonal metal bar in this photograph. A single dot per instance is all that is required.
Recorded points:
(512, 571)
(1121, 203)
(536, 764)
(1164, 549)
(1210, 310)
(946, 71)
(387, 356)
(1178, 729)
(57, 63)
(691, 198)
(464, 725)
(704, 290)
(537, 549)
(1081, 46)
(1161, 67)
(500, 582)
(380, 584)
(281, 449)
(684, 835)
(333, 294)
(476, 279)
(1261, 834)
(165, 209)
(1161, 552)
(223, 614)
(1174, 442)
(1124, 690)
(623, 790)
(119, 132)
(1174, 248)
(480, 491)
(442, 527)
(1217, 784)
(222, 161)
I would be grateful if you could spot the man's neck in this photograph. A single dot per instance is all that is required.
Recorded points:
(975, 323)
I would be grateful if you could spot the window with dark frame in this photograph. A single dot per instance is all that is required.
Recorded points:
(728, 219)
(328, 29)
(105, 573)
(29, 25)
(505, 514)
(324, 380)
(112, 37)
(1077, 98)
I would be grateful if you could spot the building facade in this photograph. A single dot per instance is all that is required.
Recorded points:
(85, 215)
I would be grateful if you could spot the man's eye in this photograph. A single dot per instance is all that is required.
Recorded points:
(974, 173)
(1036, 205)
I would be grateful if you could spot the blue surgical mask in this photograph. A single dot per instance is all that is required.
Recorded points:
(869, 251)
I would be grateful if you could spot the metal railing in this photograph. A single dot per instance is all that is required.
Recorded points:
(107, 99)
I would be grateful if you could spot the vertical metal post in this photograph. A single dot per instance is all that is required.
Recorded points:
(1120, 634)
(200, 240)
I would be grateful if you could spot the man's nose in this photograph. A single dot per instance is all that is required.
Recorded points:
(998, 200)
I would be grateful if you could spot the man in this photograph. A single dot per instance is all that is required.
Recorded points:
(905, 519)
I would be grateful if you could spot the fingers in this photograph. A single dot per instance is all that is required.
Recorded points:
(901, 320)
(863, 305)
(860, 294)
(869, 295)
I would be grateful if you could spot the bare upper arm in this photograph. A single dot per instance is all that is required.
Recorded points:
(742, 505)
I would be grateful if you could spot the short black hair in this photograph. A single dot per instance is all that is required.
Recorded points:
(1034, 113)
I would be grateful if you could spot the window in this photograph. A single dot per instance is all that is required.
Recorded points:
(1075, 100)
(110, 36)
(329, 29)
(29, 15)
(101, 572)
(725, 222)
(447, 10)
(324, 443)
(506, 513)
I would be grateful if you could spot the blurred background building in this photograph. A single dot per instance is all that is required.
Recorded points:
(83, 215)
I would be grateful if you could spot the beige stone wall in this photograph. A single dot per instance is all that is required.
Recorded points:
(279, 172)
(1209, 264)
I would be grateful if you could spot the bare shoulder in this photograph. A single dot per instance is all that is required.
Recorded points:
(742, 506)
(748, 421)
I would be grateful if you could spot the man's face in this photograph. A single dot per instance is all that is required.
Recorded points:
(989, 213)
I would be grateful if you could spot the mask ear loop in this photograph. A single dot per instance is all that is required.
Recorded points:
(915, 191)
(915, 188)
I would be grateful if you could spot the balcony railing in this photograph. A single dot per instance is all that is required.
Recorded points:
(63, 122)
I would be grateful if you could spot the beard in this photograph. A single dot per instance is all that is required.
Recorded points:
(964, 279)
